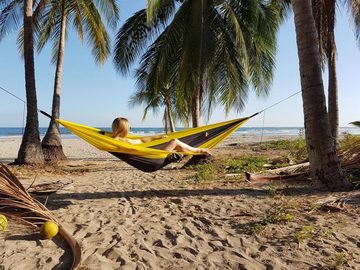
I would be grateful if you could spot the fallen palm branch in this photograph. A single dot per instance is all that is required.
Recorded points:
(46, 188)
(349, 159)
(269, 178)
(17, 203)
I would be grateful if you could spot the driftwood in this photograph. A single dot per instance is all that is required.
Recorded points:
(17, 203)
(293, 172)
(46, 188)
(349, 159)
(268, 178)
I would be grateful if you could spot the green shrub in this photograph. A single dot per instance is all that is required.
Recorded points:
(305, 232)
(279, 215)
(296, 147)
(206, 172)
(348, 142)
(244, 164)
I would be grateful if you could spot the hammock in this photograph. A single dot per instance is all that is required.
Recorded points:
(149, 156)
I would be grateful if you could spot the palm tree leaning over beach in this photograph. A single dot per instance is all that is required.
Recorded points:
(325, 17)
(324, 163)
(54, 21)
(210, 51)
(30, 149)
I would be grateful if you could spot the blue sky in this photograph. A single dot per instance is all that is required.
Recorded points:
(95, 95)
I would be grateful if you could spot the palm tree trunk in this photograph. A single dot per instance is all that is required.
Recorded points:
(168, 114)
(333, 101)
(30, 149)
(171, 122)
(51, 143)
(324, 163)
(166, 121)
(195, 108)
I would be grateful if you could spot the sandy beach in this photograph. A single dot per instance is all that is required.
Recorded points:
(126, 219)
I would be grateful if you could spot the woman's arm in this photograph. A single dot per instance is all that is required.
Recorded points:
(129, 141)
(152, 138)
(141, 140)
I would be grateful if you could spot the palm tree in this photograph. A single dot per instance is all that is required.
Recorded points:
(30, 149)
(209, 50)
(54, 20)
(155, 99)
(324, 163)
(325, 17)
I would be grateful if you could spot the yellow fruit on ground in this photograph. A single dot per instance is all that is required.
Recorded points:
(3, 223)
(49, 229)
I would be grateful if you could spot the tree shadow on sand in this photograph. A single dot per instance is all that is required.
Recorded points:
(57, 201)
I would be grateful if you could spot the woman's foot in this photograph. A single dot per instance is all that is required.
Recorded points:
(205, 151)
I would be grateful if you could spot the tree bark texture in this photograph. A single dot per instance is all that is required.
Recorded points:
(333, 99)
(169, 116)
(195, 108)
(51, 143)
(324, 163)
(30, 151)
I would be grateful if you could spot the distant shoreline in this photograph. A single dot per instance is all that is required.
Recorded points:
(16, 132)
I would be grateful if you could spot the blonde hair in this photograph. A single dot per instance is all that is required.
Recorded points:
(120, 127)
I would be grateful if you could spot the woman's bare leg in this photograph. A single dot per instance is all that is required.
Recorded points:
(177, 145)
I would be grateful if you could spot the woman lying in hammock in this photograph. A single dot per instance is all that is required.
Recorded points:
(121, 128)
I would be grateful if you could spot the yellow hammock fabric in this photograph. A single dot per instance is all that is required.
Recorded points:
(147, 156)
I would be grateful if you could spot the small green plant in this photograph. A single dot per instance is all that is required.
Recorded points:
(273, 191)
(276, 145)
(354, 176)
(244, 164)
(348, 142)
(340, 259)
(279, 215)
(206, 172)
(305, 232)
(296, 147)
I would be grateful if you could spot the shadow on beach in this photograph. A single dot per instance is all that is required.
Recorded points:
(57, 201)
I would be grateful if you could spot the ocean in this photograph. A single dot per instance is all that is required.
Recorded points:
(266, 131)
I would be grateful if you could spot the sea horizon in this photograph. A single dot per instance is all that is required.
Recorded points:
(266, 131)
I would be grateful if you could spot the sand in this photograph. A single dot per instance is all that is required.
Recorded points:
(126, 219)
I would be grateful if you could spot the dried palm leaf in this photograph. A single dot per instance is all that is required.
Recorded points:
(18, 204)
(350, 158)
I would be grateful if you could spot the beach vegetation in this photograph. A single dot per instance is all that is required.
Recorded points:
(296, 148)
(274, 191)
(245, 163)
(305, 232)
(208, 52)
(206, 172)
(320, 145)
(349, 142)
(354, 176)
(341, 259)
(276, 215)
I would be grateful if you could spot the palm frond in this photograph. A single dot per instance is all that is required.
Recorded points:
(97, 36)
(17, 203)
(154, 7)
(134, 36)
(356, 123)
(10, 17)
(354, 10)
(110, 11)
